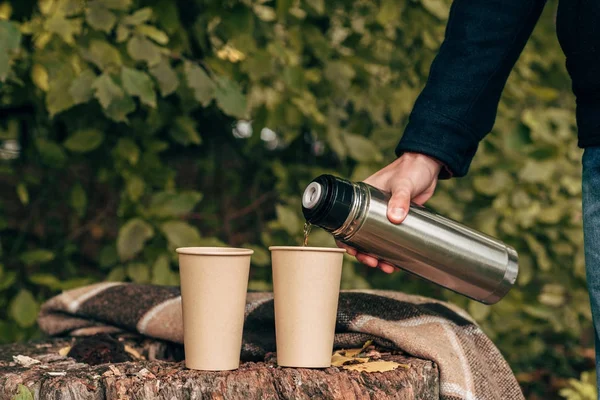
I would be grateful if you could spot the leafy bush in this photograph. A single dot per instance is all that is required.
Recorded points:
(129, 128)
(583, 389)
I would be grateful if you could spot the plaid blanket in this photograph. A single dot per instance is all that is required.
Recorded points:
(471, 367)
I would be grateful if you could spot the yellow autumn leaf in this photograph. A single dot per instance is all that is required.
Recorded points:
(46, 6)
(230, 53)
(5, 10)
(64, 351)
(42, 40)
(39, 76)
(352, 352)
(375, 366)
(338, 360)
(134, 353)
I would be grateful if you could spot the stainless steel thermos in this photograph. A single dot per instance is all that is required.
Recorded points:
(426, 244)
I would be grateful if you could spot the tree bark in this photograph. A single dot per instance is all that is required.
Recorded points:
(156, 373)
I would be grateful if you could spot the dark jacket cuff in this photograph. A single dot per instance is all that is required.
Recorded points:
(442, 138)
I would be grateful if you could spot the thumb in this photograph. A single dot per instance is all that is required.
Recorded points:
(399, 203)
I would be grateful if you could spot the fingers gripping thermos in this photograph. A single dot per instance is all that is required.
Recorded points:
(426, 244)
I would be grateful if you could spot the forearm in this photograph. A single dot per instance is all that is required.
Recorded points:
(458, 105)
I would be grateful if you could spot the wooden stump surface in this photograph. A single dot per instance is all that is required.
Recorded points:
(155, 372)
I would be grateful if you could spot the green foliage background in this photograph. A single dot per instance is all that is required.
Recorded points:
(130, 127)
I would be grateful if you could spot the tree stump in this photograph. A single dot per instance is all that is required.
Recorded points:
(76, 369)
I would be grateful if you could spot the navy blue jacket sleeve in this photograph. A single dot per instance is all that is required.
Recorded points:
(458, 106)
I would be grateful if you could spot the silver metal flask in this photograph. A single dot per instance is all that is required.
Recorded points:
(426, 244)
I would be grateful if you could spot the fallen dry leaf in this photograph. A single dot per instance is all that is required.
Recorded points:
(375, 366)
(338, 359)
(25, 361)
(134, 353)
(64, 351)
(351, 352)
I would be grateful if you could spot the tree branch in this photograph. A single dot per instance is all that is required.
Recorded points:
(252, 206)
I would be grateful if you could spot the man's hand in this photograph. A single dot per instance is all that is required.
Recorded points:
(411, 177)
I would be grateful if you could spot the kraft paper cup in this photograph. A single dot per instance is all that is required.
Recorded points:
(214, 281)
(306, 287)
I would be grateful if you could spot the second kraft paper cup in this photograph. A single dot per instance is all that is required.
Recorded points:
(306, 287)
(214, 281)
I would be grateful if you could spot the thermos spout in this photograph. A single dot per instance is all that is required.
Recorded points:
(312, 195)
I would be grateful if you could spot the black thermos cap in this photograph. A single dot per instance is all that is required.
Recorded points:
(327, 201)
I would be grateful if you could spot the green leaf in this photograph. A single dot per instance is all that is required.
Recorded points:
(142, 49)
(58, 98)
(103, 54)
(23, 308)
(264, 12)
(138, 83)
(500, 181)
(23, 393)
(389, 12)
(135, 187)
(51, 153)
(68, 7)
(116, 275)
(169, 204)
(108, 256)
(115, 103)
(131, 238)
(362, 172)
(99, 17)
(362, 149)
(78, 200)
(184, 131)
(123, 33)
(162, 274)
(84, 140)
(200, 83)
(10, 39)
(334, 138)
(76, 283)
(63, 27)
(39, 76)
(288, 219)
(116, 4)
(39, 256)
(23, 193)
(81, 89)
(153, 33)
(60, 79)
(261, 256)
(211, 242)
(126, 149)
(120, 108)
(48, 280)
(140, 16)
(166, 77)
(317, 5)
(8, 279)
(180, 234)
(438, 8)
(138, 272)
(230, 98)
(259, 286)
(479, 311)
(106, 90)
(537, 172)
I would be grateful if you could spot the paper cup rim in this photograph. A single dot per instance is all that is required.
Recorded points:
(215, 251)
(307, 248)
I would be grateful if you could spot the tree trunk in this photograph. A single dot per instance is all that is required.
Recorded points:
(156, 373)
